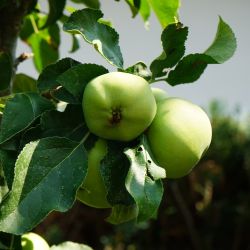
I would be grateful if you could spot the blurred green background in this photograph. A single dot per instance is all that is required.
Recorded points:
(207, 210)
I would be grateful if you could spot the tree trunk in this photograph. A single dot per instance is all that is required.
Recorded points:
(11, 18)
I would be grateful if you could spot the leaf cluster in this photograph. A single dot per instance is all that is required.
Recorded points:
(44, 140)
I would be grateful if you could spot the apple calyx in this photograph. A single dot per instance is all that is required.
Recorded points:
(116, 116)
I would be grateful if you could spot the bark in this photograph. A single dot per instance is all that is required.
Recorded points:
(11, 18)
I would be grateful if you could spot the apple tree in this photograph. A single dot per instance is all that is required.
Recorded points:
(59, 143)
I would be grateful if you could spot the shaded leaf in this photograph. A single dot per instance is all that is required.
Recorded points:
(3, 185)
(47, 175)
(139, 69)
(69, 124)
(5, 70)
(104, 38)
(76, 78)
(7, 161)
(134, 9)
(24, 83)
(11, 241)
(61, 94)
(20, 112)
(189, 69)
(166, 11)
(224, 44)
(114, 169)
(75, 43)
(173, 41)
(122, 213)
(27, 28)
(56, 8)
(48, 78)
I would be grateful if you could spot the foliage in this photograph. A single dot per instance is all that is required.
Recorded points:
(43, 148)
(213, 199)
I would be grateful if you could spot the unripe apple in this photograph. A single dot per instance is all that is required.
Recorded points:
(159, 94)
(33, 241)
(179, 135)
(93, 191)
(118, 106)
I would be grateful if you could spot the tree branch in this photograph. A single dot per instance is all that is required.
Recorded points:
(11, 18)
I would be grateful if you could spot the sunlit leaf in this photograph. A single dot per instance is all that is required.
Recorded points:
(103, 38)
(47, 175)
(224, 44)
(166, 11)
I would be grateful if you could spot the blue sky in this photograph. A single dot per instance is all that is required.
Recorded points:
(229, 82)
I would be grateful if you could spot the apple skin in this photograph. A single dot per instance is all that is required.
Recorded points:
(33, 241)
(118, 106)
(159, 94)
(179, 135)
(93, 191)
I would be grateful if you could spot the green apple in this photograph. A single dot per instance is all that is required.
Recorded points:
(33, 241)
(118, 106)
(179, 135)
(93, 191)
(159, 94)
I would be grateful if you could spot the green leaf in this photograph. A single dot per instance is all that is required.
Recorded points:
(3, 185)
(47, 175)
(189, 69)
(47, 79)
(32, 6)
(166, 11)
(20, 112)
(121, 214)
(144, 10)
(61, 94)
(224, 44)
(134, 9)
(70, 245)
(7, 162)
(45, 44)
(139, 69)
(143, 181)
(94, 4)
(114, 169)
(69, 124)
(5, 71)
(56, 8)
(76, 78)
(75, 43)
(11, 241)
(29, 25)
(104, 38)
(173, 41)
(24, 83)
